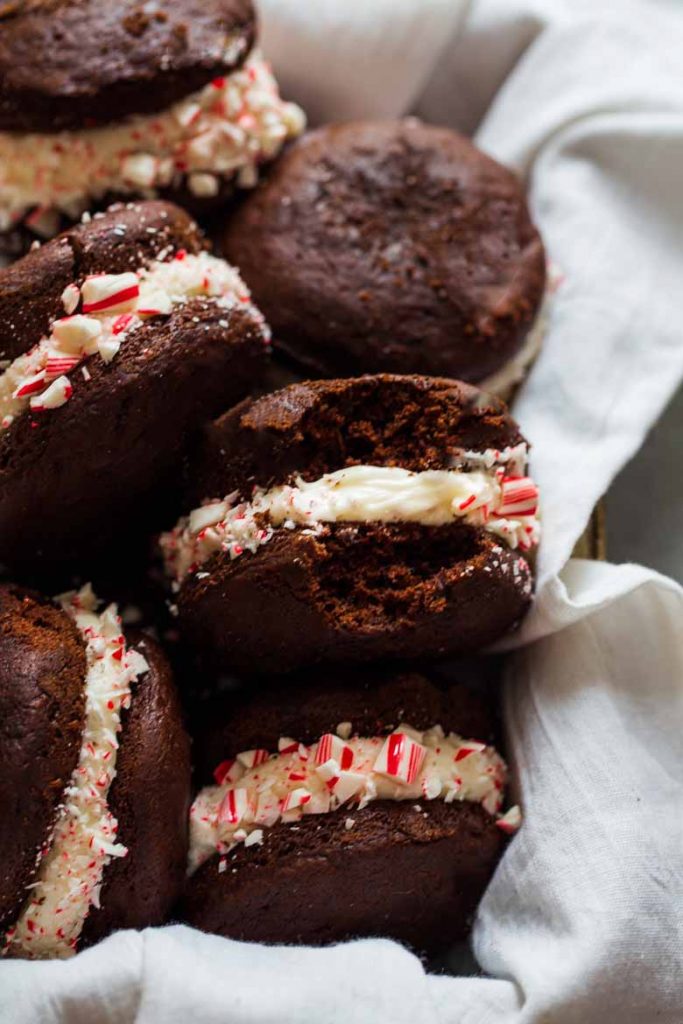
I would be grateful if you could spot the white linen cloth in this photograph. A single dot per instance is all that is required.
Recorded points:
(583, 921)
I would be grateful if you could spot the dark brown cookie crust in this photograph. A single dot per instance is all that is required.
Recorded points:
(391, 247)
(70, 64)
(413, 875)
(42, 705)
(399, 873)
(355, 592)
(79, 480)
(150, 798)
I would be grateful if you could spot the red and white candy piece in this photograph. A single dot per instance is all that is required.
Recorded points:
(320, 803)
(108, 348)
(252, 758)
(286, 745)
(345, 785)
(400, 758)
(228, 771)
(254, 838)
(234, 806)
(71, 296)
(467, 749)
(518, 496)
(328, 772)
(297, 798)
(267, 810)
(431, 787)
(510, 821)
(58, 364)
(31, 386)
(331, 746)
(154, 303)
(77, 334)
(110, 293)
(122, 323)
(58, 393)
(207, 515)
(492, 802)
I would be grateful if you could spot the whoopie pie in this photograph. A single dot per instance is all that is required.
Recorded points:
(95, 785)
(354, 520)
(347, 807)
(395, 247)
(117, 99)
(117, 340)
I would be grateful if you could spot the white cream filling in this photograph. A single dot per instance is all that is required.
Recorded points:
(113, 306)
(493, 496)
(226, 130)
(85, 837)
(257, 789)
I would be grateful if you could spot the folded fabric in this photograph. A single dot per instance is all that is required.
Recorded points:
(582, 922)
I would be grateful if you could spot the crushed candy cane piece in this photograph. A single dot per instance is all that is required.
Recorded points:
(57, 394)
(111, 293)
(71, 296)
(468, 748)
(510, 821)
(401, 757)
(77, 334)
(330, 746)
(297, 798)
(251, 758)
(234, 806)
(228, 771)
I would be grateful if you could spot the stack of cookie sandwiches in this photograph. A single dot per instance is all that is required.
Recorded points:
(348, 804)
(326, 548)
(360, 522)
(102, 100)
(95, 780)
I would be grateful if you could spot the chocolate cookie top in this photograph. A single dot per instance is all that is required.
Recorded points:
(394, 246)
(318, 427)
(42, 702)
(67, 64)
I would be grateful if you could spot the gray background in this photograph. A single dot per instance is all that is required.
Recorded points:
(643, 506)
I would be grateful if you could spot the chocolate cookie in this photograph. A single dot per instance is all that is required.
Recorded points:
(100, 99)
(355, 520)
(391, 246)
(119, 338)
(369, 815)
(96, 776)
(64, 63)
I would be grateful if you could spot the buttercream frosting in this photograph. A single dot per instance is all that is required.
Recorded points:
(224, 131)
(486, 489)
